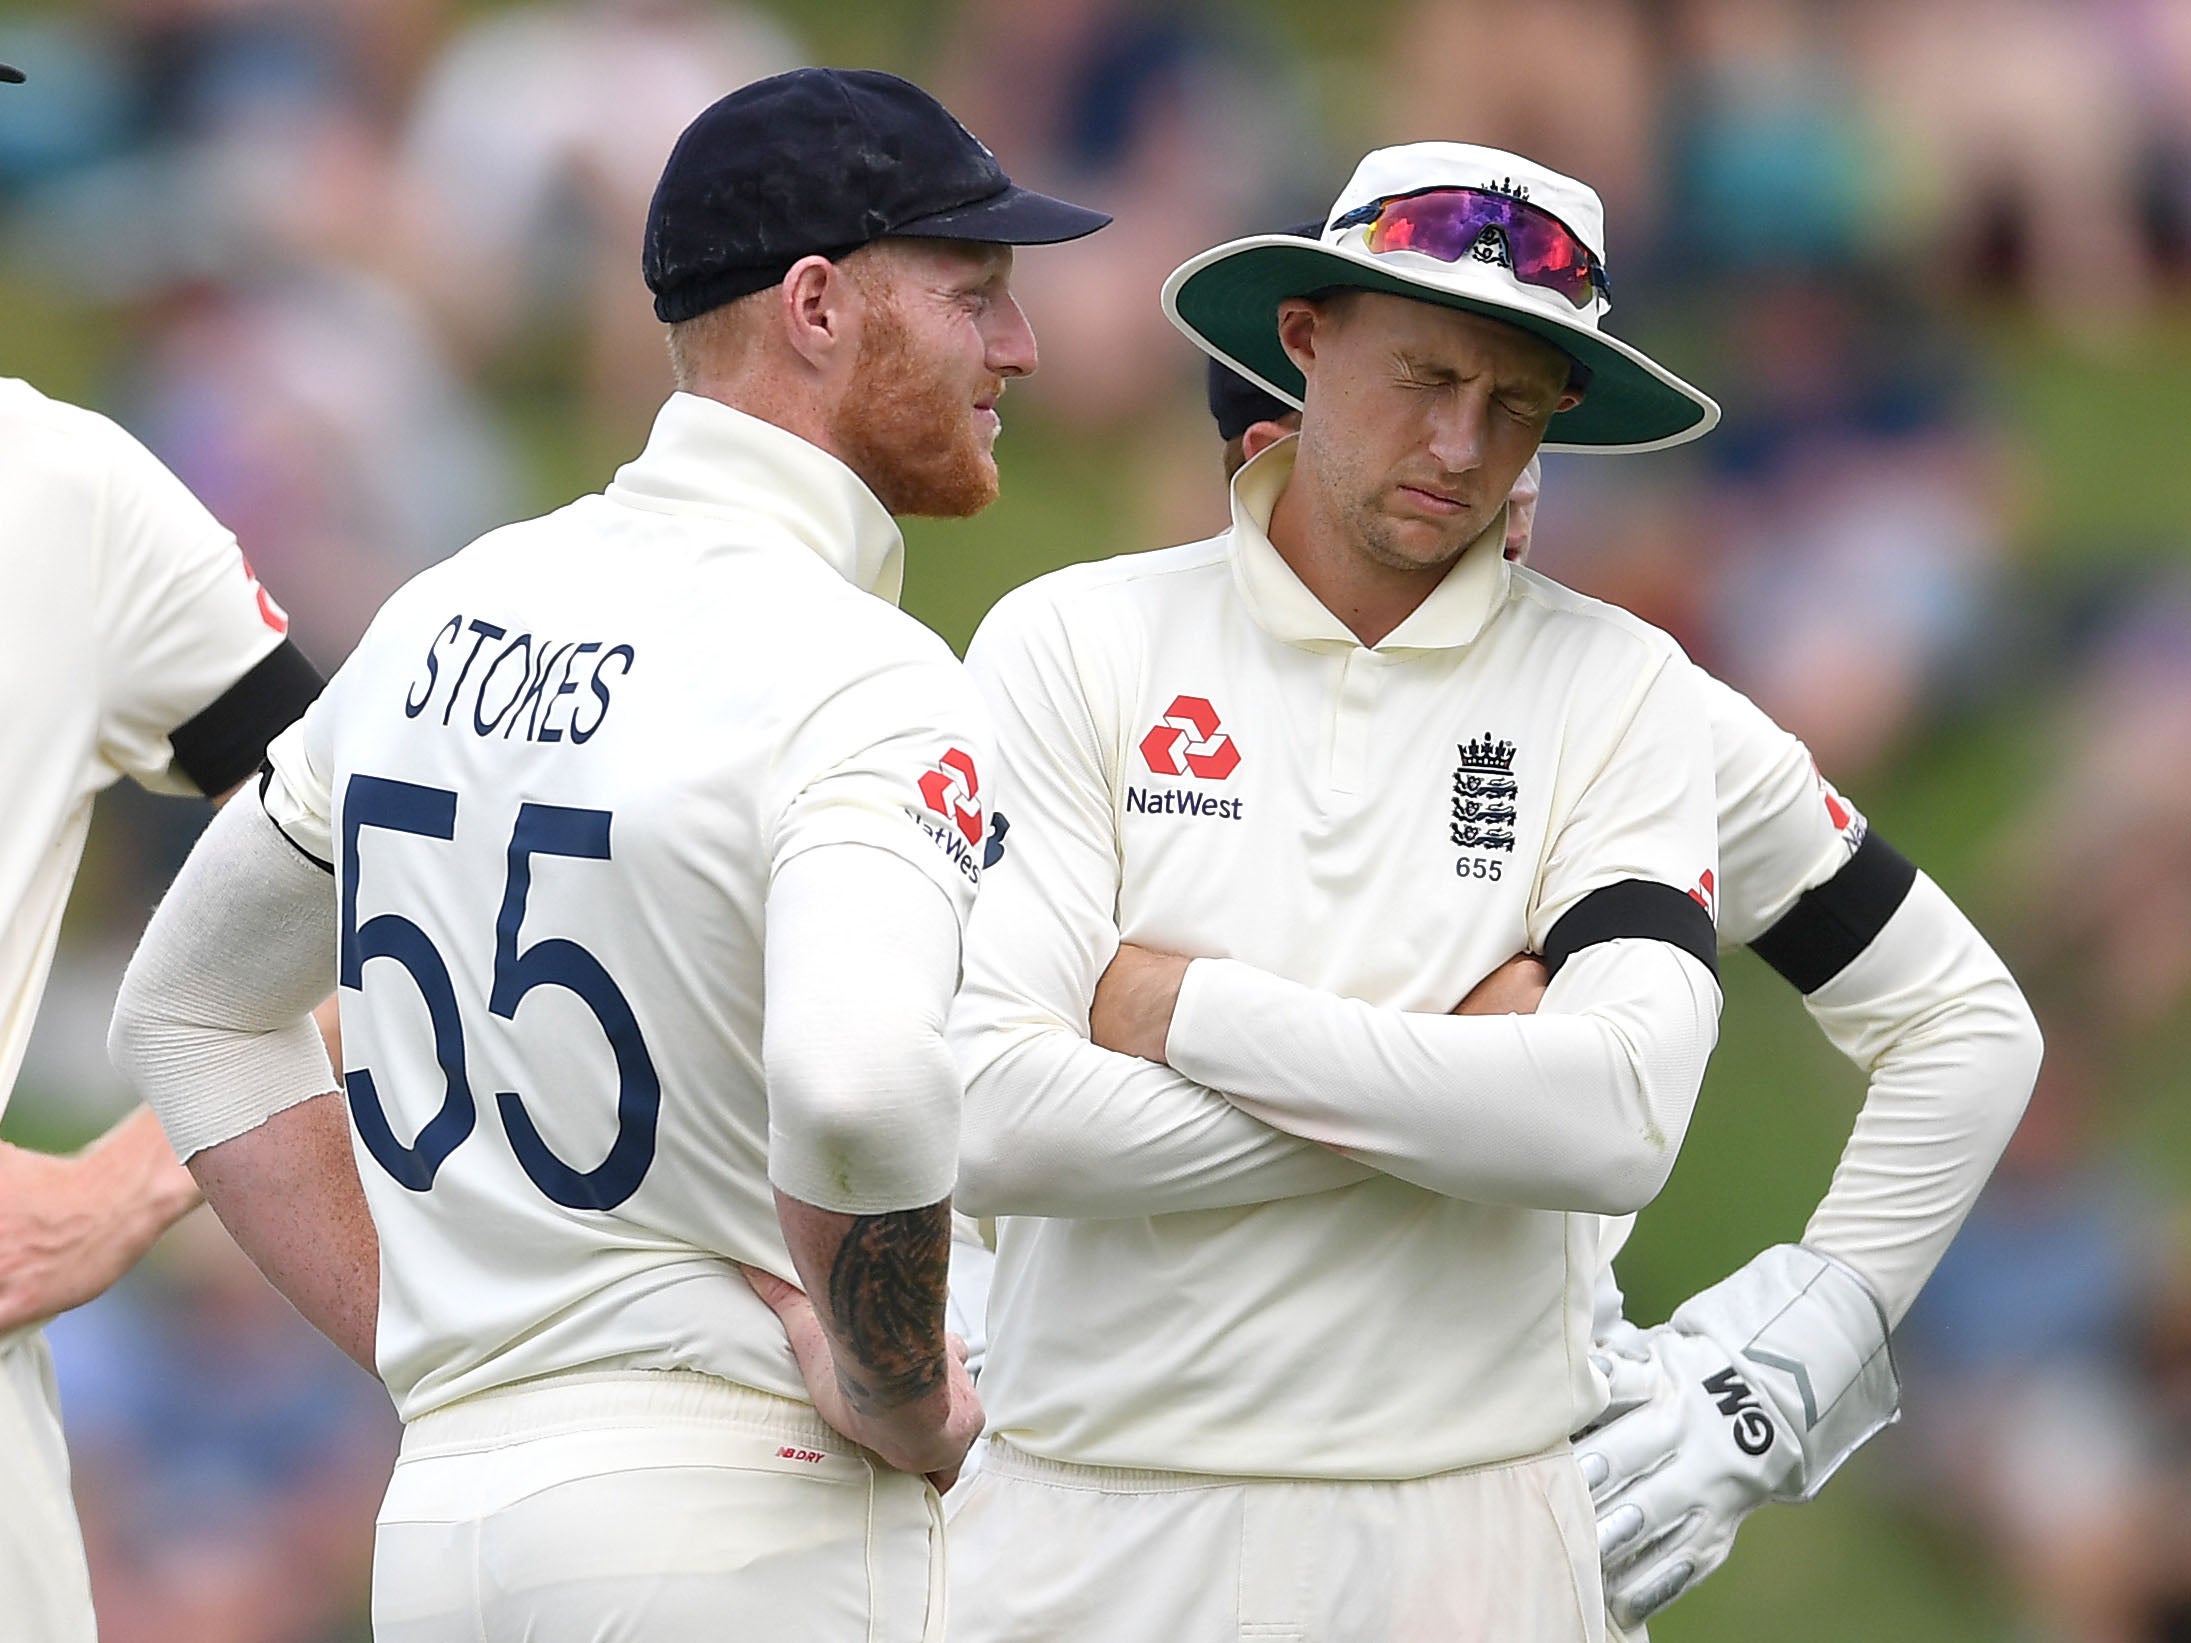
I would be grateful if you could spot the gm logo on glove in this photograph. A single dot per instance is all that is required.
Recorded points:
(1753, 1428)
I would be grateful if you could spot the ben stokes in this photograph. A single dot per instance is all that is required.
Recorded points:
(586, 794)
(1293, 1301)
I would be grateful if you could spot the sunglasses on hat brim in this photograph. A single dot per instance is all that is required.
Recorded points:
(1463, 224)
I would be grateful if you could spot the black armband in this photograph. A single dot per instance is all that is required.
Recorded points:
(1635, 910)
(1818, 938)
(220, 746)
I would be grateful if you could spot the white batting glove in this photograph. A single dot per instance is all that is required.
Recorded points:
(1756, 1390)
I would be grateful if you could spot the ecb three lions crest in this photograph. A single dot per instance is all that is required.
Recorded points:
(1484, 796)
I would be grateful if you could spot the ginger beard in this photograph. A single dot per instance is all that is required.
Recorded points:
(910, 431)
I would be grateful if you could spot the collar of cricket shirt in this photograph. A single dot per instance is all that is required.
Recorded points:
(1284, 608)
(708, 457)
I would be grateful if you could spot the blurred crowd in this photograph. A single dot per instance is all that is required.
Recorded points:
(364, 273)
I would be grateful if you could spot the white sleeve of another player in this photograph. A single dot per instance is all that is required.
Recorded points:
(1056, 1124)
(213, 1024)
(1782, 828)
(1953, 1052)
(1897, 978)
(182, 619)
(297, 792)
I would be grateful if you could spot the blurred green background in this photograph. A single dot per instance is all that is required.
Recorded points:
(364, 273)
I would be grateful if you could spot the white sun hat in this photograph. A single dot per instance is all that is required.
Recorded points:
(1226, 300)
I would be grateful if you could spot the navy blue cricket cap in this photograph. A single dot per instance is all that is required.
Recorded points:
(820, 162)
(1237, 403)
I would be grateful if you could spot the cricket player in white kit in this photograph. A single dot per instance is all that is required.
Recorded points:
(134, 641)
(1902, 983)
(1292, 1310)
(586, 795)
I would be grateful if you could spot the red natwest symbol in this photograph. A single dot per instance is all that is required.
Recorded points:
(953, 792)
(1837, 811)
(269, 612)
(1706, 895)
(1189, 732)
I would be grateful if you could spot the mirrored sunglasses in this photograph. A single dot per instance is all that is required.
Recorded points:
(1479, 225)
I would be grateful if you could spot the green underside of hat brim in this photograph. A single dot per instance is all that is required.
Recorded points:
(1233, 305)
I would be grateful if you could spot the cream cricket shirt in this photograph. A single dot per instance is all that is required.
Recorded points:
(134, 641)
(1351, 1236)
(554, 783)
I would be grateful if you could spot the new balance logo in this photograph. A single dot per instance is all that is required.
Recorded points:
(1189, 741)
(1753, 1428)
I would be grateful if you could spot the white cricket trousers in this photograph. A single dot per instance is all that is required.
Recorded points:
(650, 1508)
(45, 1590)
(1079, 1554)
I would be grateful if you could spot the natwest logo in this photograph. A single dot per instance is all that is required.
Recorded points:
(1846, 819)
(1188, 741)
(1706, 895)
(269, 612)
(953, 792)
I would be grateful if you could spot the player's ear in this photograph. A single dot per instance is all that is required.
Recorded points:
(817, 304)
(1578, 384)
(1259, 437)
(1298, 320)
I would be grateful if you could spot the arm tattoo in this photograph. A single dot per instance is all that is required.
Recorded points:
(886, 1299)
